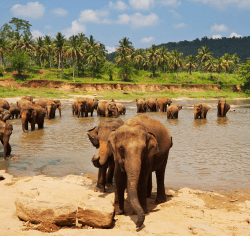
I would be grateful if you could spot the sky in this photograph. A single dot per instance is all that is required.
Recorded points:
(144, 22)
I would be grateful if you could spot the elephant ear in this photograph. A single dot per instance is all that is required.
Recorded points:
(93, 136)
(153, 147)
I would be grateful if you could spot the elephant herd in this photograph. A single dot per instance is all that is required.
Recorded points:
(128, 151)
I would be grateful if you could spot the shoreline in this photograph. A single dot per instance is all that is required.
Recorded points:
(186, 211)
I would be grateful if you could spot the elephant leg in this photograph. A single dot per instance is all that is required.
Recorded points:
(100, 187)
(40, 125)
(86, 114)
(120, 185)
(149, 186)
(8, 149)
(177, 115)
(32, 125)
(142, 191)
(110, 174)
(160, 173)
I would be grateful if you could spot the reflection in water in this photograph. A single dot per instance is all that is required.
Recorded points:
(222, 120)
(210, 153)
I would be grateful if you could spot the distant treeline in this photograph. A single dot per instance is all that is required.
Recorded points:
(218, 47)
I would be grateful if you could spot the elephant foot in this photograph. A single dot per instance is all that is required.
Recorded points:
(161, 199)
(145, 209)
(149, 195)
(100, 189)
(120, 212)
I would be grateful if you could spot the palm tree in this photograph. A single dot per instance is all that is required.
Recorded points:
(16, 44)
(191, 62)
(164, 58)
(204, 55)
(176, 61)
(211, 66)
(3, 49)
(138, 58)
(49, 46)
(124, 50)
(59, 42)
(220, 66)
(95, 58)
(40, 50)
(227, 62)
(28, 43)
(153, 58)
(72, 51)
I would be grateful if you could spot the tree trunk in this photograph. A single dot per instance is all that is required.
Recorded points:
(59, 61)
(73, 70)
(62, 69)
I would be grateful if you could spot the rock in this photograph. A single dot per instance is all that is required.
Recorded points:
(96, 212)
(36, 212)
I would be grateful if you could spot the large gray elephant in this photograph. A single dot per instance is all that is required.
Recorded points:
(140, 147)
(162, 103)
(4, 104)
(200, 111)
(173, 111)
(222, 108)
(141, 105)
(99, 138)
(151, 104)
(107, 109)
(91, 105)
(28, 97)
(58, 106)
(5, 132)
(50, 109)
(33, 114)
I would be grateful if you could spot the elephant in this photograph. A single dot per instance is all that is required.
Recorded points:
(50, 109)
(42, 102)
(162, 103)
(200, 111)
(172, 111)
(28, 97)
(14, 111)
(33, 114)
(99, 138)
(74, 108)
(223, 107)
(81, 107)
(58, 106)
(91, 105)
(140, 147)
(5, 132)
(4, 104)
(23, 102)
(151, 104)
(121, 108)
(107, 109)
(4, 114)
(141, 105)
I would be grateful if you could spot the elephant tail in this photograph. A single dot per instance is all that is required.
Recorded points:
(171, 142)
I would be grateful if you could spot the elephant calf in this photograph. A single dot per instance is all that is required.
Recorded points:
(162, 103)
(200, 111)
(121, 108)
(5, 132)
(141, 105)
(107, 109)
(99, 138)
(172, 111)
(14, 111)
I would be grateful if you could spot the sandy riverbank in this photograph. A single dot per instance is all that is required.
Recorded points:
(186, 212)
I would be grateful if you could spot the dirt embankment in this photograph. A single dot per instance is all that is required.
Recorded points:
(93, 87)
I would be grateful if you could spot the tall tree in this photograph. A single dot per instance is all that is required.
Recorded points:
(191, 62)
(220, 66)
(176, 61)
(59, 42)
(227, 62)
(3, 50)
(50, 48)
(153, 59)
(204, 54)
(21, 26)
(124, 50)
(164, 58)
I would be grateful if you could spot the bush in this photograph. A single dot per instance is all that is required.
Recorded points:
(19, 60)
(1, 71)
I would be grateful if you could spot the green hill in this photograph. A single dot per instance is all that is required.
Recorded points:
(218, 47)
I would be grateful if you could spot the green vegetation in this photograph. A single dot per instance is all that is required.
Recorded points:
(80, 59)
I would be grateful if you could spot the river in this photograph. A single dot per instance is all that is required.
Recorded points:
(210, 154)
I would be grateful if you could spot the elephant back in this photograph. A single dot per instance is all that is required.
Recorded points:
(4, 104)
(42, 102)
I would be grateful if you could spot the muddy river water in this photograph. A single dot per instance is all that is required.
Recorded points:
(209, 154)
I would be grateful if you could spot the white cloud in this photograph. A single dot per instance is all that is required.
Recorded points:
(37, 33)
(225, 3)
(76, 28)
(216, 36)
(138, 20)
(48, 27)
(94, 16)
(181, 25)
(218, 28)
(110, 49)
(175, 14)
(147, 40)
(119, 5)
(172, 3)
(235, 35)
(141, 4)
(60, 12)
(32, 10)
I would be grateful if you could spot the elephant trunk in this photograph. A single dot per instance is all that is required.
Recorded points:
(132, 184)
(49, 113)
(25, 125)
(116, 113)
(222, 108)
(60, 110)
(101, 159)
